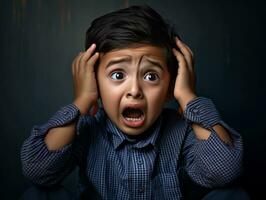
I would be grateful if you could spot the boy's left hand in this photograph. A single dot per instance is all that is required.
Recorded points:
(184, 90)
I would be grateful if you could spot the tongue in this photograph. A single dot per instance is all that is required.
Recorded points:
(132, 113)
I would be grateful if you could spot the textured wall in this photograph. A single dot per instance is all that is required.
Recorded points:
(40, 38)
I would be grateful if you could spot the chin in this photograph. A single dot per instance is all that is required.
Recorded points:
(133, 131)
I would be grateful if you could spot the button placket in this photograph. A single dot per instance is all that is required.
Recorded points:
(140, 161)
(141, 189)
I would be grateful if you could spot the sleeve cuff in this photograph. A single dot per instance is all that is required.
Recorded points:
(202, 111)
(62, 117)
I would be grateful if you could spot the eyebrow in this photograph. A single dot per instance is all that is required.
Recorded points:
(154, 62)
(128, 59)
(119, 60)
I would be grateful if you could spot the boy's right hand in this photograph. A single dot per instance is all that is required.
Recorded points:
(85, 84)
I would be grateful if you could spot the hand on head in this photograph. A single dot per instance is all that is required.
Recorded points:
(184, 90)
(85, 85)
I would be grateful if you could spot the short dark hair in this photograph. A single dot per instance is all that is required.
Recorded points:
(130, 26)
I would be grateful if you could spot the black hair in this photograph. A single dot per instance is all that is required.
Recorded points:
(130, 26)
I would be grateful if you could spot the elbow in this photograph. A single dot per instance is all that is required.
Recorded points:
(218, 172)
(38, 175)
(221, 174)
(37, 171)
(223, 177)
(33, 169)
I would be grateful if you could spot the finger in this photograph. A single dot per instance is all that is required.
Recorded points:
(184, 46)
(91, 62)
(88, 53)
(180, 58)
(75, 71)
(84, 58)
(183, 66)
(74, 63)
(188, 48)
(186, 51)
(192, 66)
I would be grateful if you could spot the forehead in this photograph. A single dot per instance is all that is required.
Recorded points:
(136, 53)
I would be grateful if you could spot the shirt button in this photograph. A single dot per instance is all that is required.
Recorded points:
(195, 111)
(140, 162)
(65, 112)
(141, 189)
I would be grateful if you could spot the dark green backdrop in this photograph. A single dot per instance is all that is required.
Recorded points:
(40, 38)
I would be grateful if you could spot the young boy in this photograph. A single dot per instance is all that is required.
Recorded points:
(134, 148)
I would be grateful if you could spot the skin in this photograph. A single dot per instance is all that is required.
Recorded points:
(141, 83)
(135, 89)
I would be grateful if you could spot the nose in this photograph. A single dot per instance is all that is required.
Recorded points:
(135, 90)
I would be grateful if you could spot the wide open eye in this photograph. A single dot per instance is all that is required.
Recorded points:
(117, 75)
(151, 76)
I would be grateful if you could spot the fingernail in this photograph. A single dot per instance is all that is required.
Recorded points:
(93, 45)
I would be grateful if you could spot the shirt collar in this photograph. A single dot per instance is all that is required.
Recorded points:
(117, 135)
(120, 138)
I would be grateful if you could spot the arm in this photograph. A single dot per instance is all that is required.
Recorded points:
(48, 154)
(86, 95)
(185, 90)
(210, 162)
(41, 165)
(213, 151)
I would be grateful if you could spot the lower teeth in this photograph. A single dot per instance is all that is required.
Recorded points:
(133, 119)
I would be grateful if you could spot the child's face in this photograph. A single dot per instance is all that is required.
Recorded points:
(133, 85)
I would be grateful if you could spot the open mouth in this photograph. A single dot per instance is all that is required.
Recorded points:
(133, 117)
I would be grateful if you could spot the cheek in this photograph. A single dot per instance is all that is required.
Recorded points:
(110, 96)
(107, 92)
(157, 97)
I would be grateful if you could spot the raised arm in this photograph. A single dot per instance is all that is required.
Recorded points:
(213, 151)
(184, 91)
(86, 95)
(48, 155)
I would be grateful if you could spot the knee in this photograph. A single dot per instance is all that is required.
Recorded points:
(45, 193)
(227, 193)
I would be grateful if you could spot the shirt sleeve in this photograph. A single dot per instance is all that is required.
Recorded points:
(211, 162)
(43, 166)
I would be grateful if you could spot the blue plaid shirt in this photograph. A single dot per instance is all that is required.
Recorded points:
(113, 166)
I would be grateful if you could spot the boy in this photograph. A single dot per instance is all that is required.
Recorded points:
(133, 148)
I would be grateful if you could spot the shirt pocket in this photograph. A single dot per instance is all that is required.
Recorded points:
(166, 186)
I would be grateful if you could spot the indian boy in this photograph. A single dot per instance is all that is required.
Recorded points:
(134, 148)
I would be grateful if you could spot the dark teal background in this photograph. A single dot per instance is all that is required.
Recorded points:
(40, 38)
